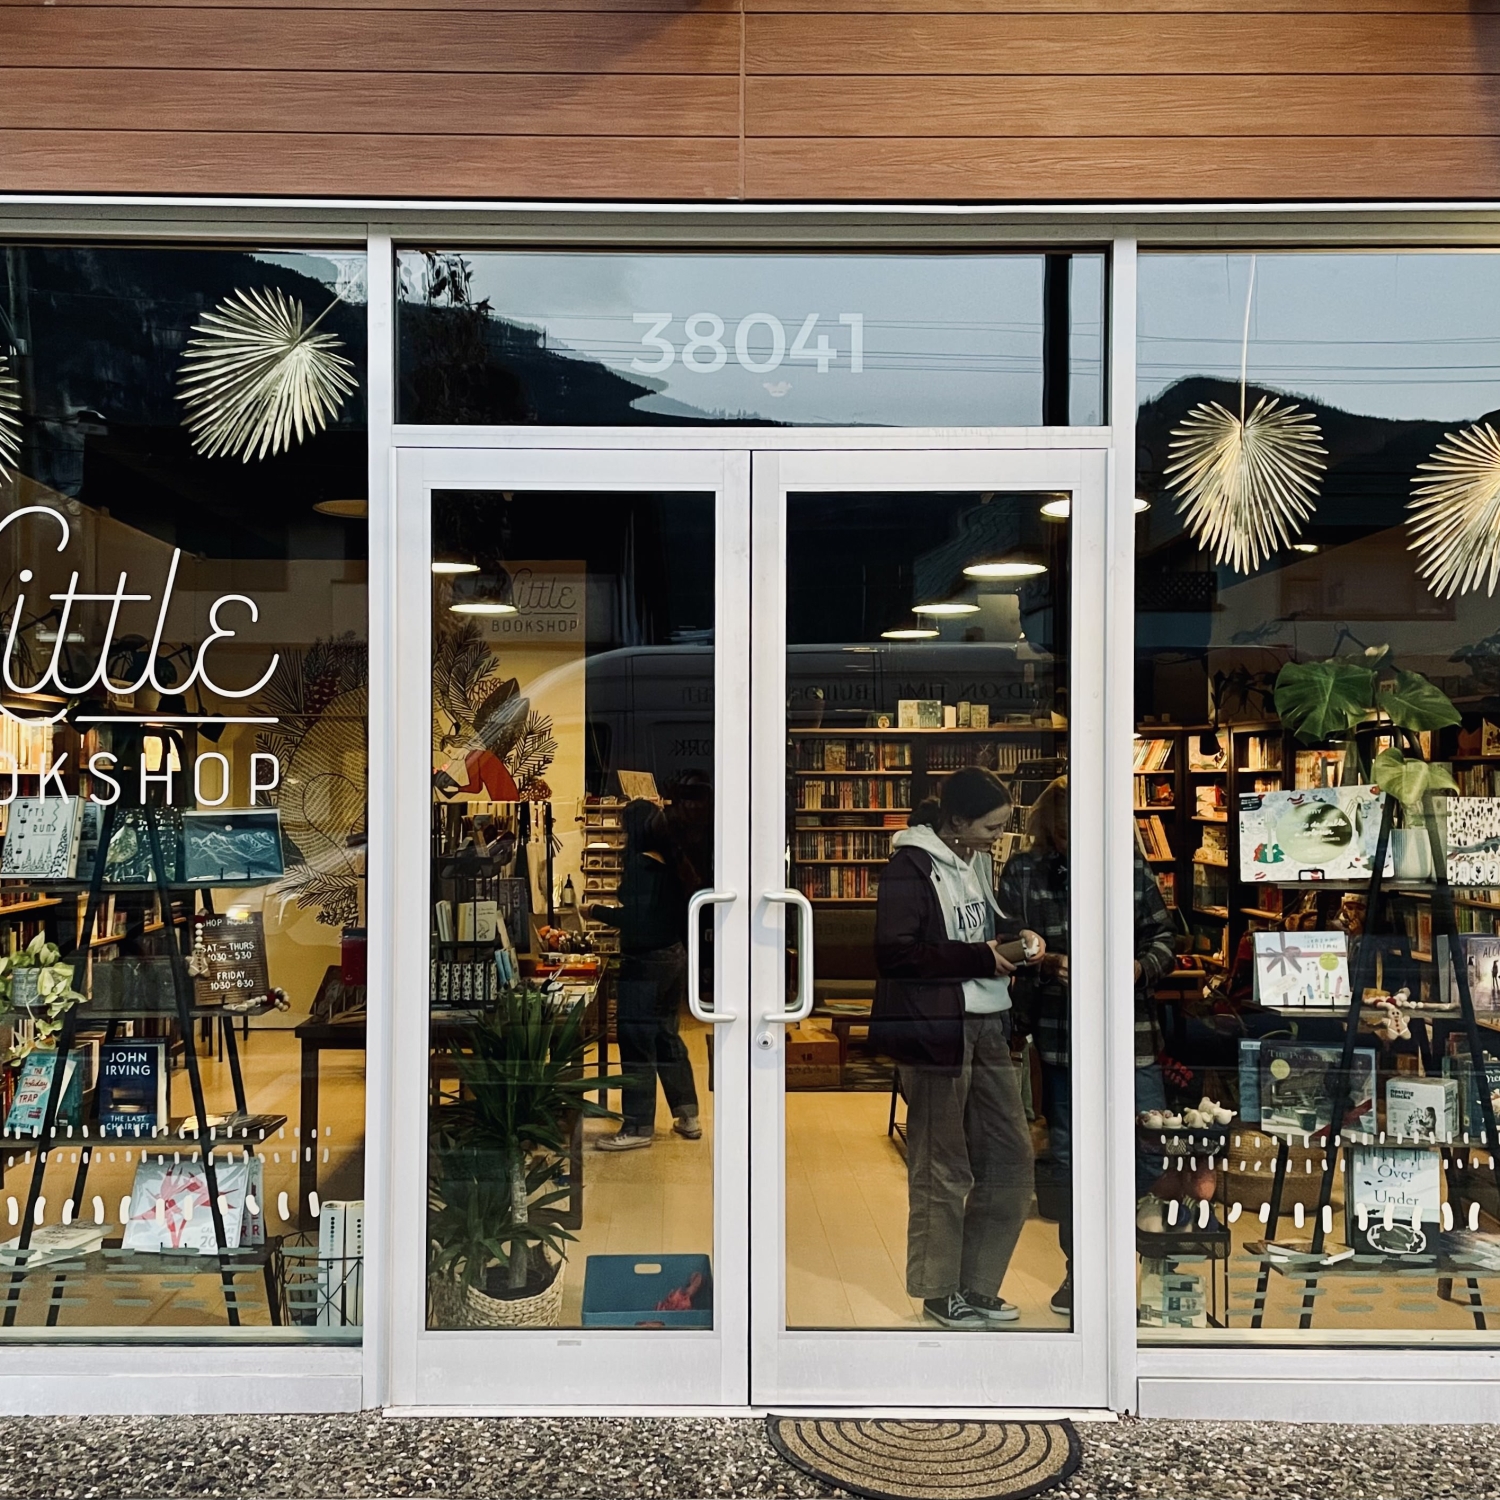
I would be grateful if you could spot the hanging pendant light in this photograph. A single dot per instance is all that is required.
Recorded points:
(1246, 484)
(944, 608)
(483, 594)
(911, 633)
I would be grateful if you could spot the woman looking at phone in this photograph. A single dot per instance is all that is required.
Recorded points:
(942, 1011)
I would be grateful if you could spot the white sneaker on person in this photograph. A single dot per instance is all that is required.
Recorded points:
(688, 1128)
(624, 1140)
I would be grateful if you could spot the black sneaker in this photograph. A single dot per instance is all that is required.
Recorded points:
(994, 1309)
(953, 1311)
(1062, 1298)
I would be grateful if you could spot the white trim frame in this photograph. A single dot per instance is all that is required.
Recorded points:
(1225, 1381)
(928, 1367)
(484, 1369)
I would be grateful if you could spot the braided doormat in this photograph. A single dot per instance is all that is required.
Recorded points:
(889, 1460)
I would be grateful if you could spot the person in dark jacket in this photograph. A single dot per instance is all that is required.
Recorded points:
(942, 1011)
(1034, 888)
(652, 919)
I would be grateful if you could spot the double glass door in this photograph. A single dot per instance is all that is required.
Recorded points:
(749, 957)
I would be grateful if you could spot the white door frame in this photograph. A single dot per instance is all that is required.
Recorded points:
(560, 1367)
(569, 1369)
(930, 1367)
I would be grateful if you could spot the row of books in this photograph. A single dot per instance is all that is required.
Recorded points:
(838, 882)
(819, 754)
(1001, 756)
(1151, 837)
(844, 843)
(1152, 754)
(57, 838)
(129, 1075)
(24, 746)
(850, 792)
(1477, 781)
(1154, 791)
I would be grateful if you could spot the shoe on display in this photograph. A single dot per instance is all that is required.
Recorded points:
(625, 1140)
(688, 1128)
(953, 1311)
(995, 1309)
(1062, 1298)
(1150, 1215)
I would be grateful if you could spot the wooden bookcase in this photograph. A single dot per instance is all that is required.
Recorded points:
(849, 791)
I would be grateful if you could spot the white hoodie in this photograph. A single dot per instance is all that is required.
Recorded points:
(966, 895)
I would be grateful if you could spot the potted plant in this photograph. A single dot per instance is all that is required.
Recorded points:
(1323, 700)
(36, 984)
(497, 1250)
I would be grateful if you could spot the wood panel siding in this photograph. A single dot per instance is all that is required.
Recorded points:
(868, 100)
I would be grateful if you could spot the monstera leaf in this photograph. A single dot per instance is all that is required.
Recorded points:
(1412, 702)
(1410, 781)
(1320, 700)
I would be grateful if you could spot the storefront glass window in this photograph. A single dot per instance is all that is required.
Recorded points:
(610, 339)
(1317, 788)
(572, 823)
(182, 768)
(927, 821)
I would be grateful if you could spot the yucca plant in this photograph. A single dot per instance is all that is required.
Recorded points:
(496, 1149)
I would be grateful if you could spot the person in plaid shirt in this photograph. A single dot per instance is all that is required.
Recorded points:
(1034, 893)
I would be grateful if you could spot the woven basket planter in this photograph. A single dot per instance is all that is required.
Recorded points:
(468, 1307)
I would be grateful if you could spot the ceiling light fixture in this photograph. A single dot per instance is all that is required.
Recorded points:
(483, 594)
(1308, 547)
(1060, 508)
(344, 510)
(1004, 570)
(951, 607)
(452, 565)
(908, 635)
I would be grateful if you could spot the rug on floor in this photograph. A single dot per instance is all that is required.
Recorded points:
(929, 1460)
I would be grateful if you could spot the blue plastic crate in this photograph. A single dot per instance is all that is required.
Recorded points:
(621, 1291)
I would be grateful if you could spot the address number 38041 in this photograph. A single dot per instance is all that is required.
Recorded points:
(759, 343)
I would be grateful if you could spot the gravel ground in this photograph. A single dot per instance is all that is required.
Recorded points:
(323, 1458)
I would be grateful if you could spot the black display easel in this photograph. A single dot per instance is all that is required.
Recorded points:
(204, 1140)
(1444, 926)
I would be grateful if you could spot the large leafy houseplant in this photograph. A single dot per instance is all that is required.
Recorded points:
(497, 1151)
(1332, 699)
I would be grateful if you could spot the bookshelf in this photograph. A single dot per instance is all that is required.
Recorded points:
(851, 790)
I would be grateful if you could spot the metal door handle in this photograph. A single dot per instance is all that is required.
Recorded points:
(700, 899)
(804, 1005)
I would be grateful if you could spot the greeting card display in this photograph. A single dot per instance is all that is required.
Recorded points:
(128, 860)
(1473, 841)
(1301, 970)
(1297, 1085)
(169, 1205)
(41, 840)
(239, 845)
(1317, 833)
(1400, 1193)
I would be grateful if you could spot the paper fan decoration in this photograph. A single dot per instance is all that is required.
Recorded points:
(1246, 484)
(10, 420)
(1455, 513)
(256, 379)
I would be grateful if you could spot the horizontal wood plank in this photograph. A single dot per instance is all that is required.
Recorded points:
(1094, 170)
(1021, 45)
(379, 41)
(894, 108)
(446, 166)
(1080, 7)
(476, 104)
(649, 7)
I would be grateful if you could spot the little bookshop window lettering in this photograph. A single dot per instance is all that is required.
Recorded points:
(1318, 795)
(182, 796)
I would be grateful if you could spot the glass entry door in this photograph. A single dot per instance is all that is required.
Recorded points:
(748, 949)
(572, 907)
(927, 939)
